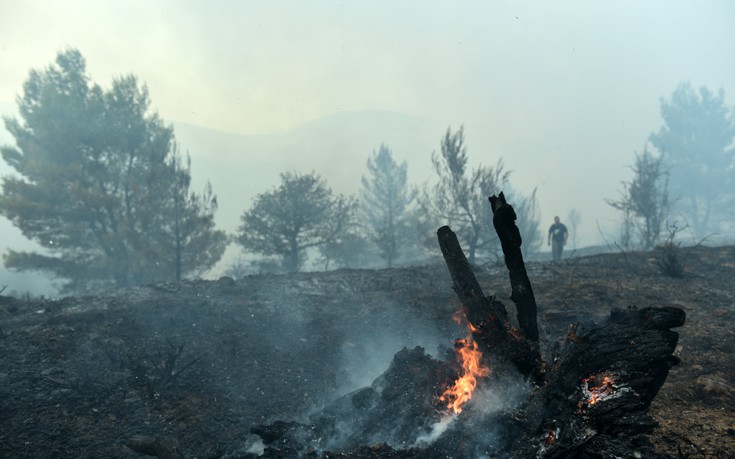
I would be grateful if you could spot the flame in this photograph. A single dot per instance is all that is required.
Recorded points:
(460, 317)
(470, 358)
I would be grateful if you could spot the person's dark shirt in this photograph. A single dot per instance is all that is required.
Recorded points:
(558, 232)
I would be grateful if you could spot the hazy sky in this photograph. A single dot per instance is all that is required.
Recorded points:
(566, 92)
(265, 66)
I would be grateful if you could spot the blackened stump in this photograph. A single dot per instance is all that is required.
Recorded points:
(504, 218)
(489, 319)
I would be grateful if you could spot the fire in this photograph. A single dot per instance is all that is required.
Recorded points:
(606, 388)
(470, 358)
(460, 318)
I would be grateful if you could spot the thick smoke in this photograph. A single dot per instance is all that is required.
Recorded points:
(370, 346)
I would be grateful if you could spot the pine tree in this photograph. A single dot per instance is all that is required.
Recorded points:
(459, 198)
(696, 141)
(386, 205)
(96, 184)
(300, 214)
(644, 200)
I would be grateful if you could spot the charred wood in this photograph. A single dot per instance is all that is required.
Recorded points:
(488, 316)
(599, 389)
(504, 218)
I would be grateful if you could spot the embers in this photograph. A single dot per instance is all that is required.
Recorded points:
(598, 388)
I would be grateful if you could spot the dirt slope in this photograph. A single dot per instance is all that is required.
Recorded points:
(200, 362)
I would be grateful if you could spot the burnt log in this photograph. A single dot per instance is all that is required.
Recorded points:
(488, 318)
(596, 394)
(600, 387)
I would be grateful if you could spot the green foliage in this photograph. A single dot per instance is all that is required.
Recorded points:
(186, 230)
(644, 200)
(100, 186)
(697, 142)
(385, 206)
(300, 214)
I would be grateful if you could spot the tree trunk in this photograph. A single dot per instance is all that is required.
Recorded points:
(488, 316)
(504, 218)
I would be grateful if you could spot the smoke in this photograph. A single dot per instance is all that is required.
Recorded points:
(436, 431)
(252, 445)
(371, 344)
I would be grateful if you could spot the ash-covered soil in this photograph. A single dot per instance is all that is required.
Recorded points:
(201, 362)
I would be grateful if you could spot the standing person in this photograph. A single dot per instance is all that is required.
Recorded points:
(558, 235)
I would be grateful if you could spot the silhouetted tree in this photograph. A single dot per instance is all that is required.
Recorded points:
(301, 213)
(459, 198)
(385, 206)
(97, 186)
(644, 201)
(697, 143)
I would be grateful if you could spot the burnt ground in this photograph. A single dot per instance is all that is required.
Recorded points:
(201, 362)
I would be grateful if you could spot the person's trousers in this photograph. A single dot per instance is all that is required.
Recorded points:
(556, 249)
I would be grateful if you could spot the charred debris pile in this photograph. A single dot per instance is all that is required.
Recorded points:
(494, 395)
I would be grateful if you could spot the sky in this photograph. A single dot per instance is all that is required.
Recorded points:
(269, 66)
(566, 91)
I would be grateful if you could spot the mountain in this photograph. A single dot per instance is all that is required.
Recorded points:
(335, 146)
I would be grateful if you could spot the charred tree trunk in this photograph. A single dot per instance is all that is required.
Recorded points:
(504, 218)
(595, 397)
(599, 388)
(488, 316)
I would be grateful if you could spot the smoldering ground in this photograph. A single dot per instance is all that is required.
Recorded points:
(79, 370)
(168, 359)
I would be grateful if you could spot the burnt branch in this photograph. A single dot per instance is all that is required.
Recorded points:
(481, 311)
(156, 373)
(504, 218)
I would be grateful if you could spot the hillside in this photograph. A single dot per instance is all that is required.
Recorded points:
(201, 362)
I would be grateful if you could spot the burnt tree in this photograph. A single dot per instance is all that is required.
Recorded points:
(487, 316)
(504, 218)
(595, 394)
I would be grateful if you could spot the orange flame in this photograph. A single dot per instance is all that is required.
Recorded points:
(599, 392)
(460, 317)
(470, 358)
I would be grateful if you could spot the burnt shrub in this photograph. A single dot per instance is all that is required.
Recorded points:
(669, 259)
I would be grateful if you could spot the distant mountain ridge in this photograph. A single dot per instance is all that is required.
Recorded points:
(335, 146)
